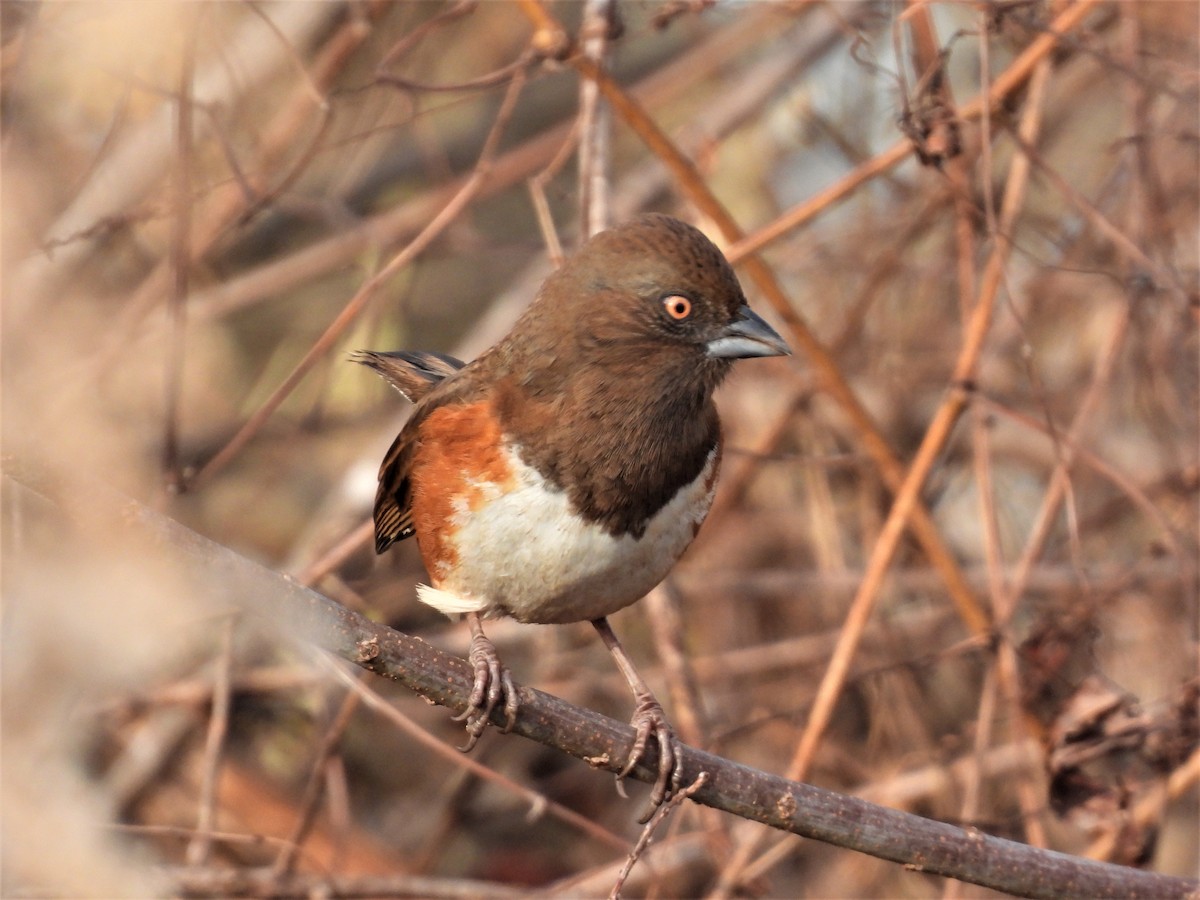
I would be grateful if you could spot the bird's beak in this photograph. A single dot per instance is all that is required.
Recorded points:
(748, 336)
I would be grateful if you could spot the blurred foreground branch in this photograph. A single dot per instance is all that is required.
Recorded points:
(272, 600)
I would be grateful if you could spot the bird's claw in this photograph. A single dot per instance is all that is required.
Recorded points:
(650, 720)
(492, 681)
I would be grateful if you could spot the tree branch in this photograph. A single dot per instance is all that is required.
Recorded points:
(282, 607)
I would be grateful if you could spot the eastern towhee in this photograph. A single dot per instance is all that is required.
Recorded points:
(559, 476)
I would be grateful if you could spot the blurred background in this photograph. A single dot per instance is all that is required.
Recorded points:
(207, 206)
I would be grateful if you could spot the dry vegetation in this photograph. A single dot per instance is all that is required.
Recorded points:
(206, 207)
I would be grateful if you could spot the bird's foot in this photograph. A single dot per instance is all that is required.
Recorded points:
(492, 681)
(650, 720)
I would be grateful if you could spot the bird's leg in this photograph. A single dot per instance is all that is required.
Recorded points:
(648, 719)
(492, 679)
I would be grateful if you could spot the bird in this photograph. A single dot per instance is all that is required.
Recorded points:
(559, 476)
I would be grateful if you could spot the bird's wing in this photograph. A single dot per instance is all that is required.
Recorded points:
(393, 498)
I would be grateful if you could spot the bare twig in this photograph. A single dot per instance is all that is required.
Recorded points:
(356, 304)
(180, 259)
(936, 435)
(223, 882)
(361, 536)
(286, 860)
(541, 206)
(218, 726)
(413, 39)
(643, 841)
(1012, 79)
(595, 119)
(538, 804)
(120, 181)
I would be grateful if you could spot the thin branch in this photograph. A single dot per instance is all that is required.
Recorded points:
(225, 882)
(402, 47)
(541, 205)
(218, 726)
(356, 304)
(180, 258)
(503, 75)
(1165, 278)
(401, 223)
(333, 559)
(1007, 83)
(215, 211)
(595, 119)
(1138, 497)
(330, 741)
(643, 841)
(538, 803)
(134, 168)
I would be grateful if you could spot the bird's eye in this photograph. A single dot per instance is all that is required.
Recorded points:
(677, 307)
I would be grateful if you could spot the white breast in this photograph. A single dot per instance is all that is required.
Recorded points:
(524, 553)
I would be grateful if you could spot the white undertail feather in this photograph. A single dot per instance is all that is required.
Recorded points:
(448, 603)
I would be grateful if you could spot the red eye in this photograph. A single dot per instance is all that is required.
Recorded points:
(677, 307)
